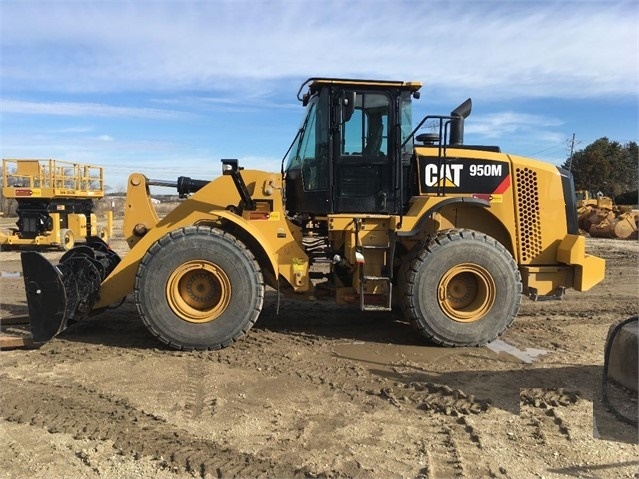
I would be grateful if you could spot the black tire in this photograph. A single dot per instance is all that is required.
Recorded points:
(460, 288)
(199, 288)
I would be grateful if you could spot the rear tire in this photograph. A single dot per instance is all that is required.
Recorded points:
(461, 288)
(199, 288)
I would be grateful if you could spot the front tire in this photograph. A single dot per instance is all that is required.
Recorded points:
(199, 288)
(461, 288)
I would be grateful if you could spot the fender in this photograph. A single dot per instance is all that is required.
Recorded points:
(419, 224)
(254, 232)
(121, 281)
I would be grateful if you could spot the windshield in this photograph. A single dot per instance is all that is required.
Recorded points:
(294, 158)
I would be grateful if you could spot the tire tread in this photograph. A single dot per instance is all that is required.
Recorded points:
(199, 230)
(418, 256)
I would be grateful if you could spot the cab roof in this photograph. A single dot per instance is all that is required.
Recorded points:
(315, 83)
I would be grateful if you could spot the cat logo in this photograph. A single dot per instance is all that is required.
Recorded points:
(463, 175)
(448, 175)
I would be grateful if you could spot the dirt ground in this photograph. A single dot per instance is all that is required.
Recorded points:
(322, 391)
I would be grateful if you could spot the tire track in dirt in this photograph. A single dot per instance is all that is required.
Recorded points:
(277, 355)
(533, 423)
(88, 414)
(452, 443)
(443, 459)
(274, 354)
(345, 376)
(453, 449)
(198, 402)
(443, 399)
(541, 415)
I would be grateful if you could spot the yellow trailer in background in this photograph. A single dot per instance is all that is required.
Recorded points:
(55, 203)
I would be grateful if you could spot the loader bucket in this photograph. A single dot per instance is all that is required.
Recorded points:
(60, 294)
(621, 227)
(46, 296)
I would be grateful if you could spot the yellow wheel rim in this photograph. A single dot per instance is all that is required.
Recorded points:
(67, 240)
(466, 293)
(198, 291)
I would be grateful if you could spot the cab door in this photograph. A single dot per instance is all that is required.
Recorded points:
(363, 156)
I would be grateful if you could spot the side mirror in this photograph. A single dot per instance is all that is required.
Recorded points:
(348, 105)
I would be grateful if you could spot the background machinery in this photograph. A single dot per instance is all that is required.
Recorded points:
(55, 202)
(452, 234)
(600, 217)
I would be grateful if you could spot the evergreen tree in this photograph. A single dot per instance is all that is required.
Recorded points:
(606, 166)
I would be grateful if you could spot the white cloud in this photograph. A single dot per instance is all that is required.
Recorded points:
(496, 49)
(496, 125)
(87, 110)
(70, 130)
(227, 102)
(105, 138)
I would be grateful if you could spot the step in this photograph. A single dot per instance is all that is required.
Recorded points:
(374, 307)
(376, 278)
(376, 247)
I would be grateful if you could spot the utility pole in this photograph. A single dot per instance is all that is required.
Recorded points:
(572, 149)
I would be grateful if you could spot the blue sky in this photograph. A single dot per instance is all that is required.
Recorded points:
(170, 87)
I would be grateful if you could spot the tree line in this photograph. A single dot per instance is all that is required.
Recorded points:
(609, 167)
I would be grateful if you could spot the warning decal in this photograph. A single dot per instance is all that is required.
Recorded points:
(457, 175)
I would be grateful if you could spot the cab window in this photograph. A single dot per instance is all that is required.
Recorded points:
(366, 132)
(406, 122)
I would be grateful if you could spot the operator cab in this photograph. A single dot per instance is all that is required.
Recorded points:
(351, 153)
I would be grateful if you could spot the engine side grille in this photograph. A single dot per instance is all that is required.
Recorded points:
(529, 238)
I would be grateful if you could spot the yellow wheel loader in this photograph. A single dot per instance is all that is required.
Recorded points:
(453, 234)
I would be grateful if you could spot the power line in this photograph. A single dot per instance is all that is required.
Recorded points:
(555, 146)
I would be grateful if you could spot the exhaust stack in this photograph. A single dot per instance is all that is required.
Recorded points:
(457, 122)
